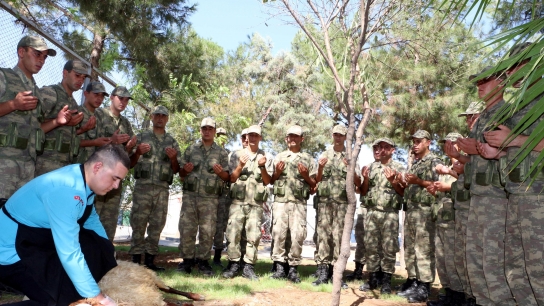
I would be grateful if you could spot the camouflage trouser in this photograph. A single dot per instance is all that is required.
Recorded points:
(419, 235)
(15, 174)
(485, 251)
(222, 219)
(329, 228)
(288, 218)
(360, 236)
(107, 207)
(314, 237)
(287, 239)
(244, 218)
(445, 265)
(44, 165)
(149, 206)
(381, 240)
(460, 259)
(530, 209)
(198, 216)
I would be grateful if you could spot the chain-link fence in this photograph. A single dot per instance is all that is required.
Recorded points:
(13, 29)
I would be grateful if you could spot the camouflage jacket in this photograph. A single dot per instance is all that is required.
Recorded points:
(517, 178)
(20, 132)
(290, 186)
(460, 194)
(203, 180)
(107, 124)
(333, 183)
(484, 173)
(249, 187)
(155, 167)
(424, 168)
(381, 194)
(444, 209)
(61, 144)
(85, 152)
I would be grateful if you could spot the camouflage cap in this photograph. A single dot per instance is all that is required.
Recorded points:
(340, 129)
(421, 134)
(121, 91)
(474, 108)
(207, 122)
(383, 139)
(452, 137)
(96, 87)
(159, 109)
(77, 66)
(221, 131)
(497, 74)
(37, 43)
(295, 130)
(254, 129)
(244, 132)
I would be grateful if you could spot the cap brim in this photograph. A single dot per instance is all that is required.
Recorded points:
(52, 52)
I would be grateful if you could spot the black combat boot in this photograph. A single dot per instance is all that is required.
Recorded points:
(316, 273)
(371, 284)
(293, 275)
(470, 302)
(280, 270)
(343, 284)
(379, 276)
(459, 298)
(408, 287)
(217, 258)
(148, 262)
(186, 266)
(386, 283)
(249, 272)
(137, 258)
(204, 267)
(322, 275)
(421, 294)
(233, 269)
(356, 274)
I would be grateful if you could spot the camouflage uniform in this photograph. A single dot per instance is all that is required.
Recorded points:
(62, 143)
(222, 217)
(332, 206)
(382, 219)
(248, 194)
(523, 243)
(419, 227)
(486, 224)
(461, 202)
(445, 239)
(200, 199)
(107, 206)
(153, 174)
(85, 152)
(291, 193)
(360, 233)
(18, 153)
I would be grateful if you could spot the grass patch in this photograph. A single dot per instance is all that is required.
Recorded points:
(162, 249)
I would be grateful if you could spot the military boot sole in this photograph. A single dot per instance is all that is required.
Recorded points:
(155, 268)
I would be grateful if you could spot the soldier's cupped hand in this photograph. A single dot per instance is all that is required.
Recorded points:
(365, 172)
(217, 168)
(25, 101)
(117, 138)
(243, 160)
(451, 150)
(411, 178)
(441, 169)
(262, 161)
(64, 115)
(389, 174)
(89, 125)
(487, 151)
(458, 167)
(102, 141)
(131, 143)
(497, 137)
(431, 189)
(143, 148)
(467, 145)
(322, 162)
(188, 167)
(303, 170)
(280, 166)
(442, 186)
(75, 119)
(171, 152)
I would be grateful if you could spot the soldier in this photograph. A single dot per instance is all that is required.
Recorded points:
(222, 208)
(110, 123)
(94, 95)
(419, 227)
(461, 201)
(61, 145)
(445, 233)
(294, 177)
(204, 171)
(383, 196)
(251, 173)
(488, 202)
(20, 111)
(155, 161)
(523, 259)
(332, 204)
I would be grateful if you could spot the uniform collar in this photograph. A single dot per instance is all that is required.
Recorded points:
(30, 82)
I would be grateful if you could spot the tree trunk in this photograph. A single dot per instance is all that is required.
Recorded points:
(96, 53)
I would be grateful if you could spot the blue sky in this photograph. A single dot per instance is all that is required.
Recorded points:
(229, 23)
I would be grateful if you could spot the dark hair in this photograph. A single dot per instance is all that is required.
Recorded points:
(110, 155)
